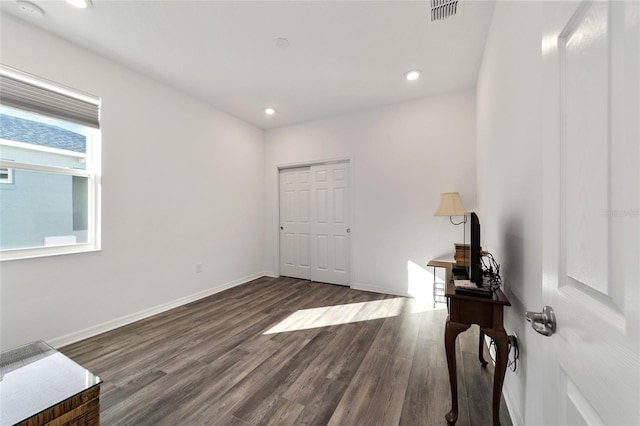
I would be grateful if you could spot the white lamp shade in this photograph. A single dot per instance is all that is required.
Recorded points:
(450, 205)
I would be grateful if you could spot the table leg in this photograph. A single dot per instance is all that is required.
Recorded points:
(502, 352)
(434, 287)
(452, 329)
(483, 362)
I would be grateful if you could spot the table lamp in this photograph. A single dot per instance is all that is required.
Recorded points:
(451, 205)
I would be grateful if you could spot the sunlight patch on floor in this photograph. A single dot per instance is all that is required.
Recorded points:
(325, 316)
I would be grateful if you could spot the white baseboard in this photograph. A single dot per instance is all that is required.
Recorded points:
(76, 336)
(378, 289)
(514, 413)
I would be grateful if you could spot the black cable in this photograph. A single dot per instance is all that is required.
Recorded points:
(490, 270)
(516, 356)
(512, 362)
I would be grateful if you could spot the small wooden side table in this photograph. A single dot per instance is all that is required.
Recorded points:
(439, 289)
(465, 310)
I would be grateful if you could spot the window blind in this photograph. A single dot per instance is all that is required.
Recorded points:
(26, 92)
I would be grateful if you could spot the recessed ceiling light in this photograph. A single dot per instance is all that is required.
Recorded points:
(82, 4)
(282, 42)
(269, 111)
(412, 75)
(30, 9)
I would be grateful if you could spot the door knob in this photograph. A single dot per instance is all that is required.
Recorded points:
(543, 322)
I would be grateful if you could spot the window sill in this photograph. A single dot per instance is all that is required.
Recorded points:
(32, 253)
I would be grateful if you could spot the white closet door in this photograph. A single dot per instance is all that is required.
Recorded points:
(329, 219)
(314, 223)
(294, 223)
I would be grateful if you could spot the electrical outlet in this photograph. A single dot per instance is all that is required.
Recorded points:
(198, 268)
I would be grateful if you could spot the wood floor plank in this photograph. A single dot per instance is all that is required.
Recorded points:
(346, 366)
(305, 386)
(117, 394)
(323, 402)
(282, 413)
(427, 389)
(217, 400)
(254, 407)
(285, 351)
(355, 403)
(388, 400)
(236, 387)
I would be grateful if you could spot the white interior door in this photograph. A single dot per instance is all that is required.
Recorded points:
(294, 223)
(314, 223)
(330, 223)
(591, 213)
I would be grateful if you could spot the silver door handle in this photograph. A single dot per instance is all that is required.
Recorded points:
(543, 322)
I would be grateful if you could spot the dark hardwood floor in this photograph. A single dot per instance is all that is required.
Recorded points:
(283, 351)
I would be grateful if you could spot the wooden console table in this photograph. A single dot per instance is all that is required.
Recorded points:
(465, 310)
(39, 385)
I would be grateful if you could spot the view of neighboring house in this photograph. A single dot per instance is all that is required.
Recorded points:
(39, 208)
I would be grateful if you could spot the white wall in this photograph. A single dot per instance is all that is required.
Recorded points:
(403, 156)
(510, 183)
(182, 184)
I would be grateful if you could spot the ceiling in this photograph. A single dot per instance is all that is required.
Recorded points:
(343, 56)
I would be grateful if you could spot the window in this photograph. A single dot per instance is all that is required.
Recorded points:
(6, 175)
(50, 154)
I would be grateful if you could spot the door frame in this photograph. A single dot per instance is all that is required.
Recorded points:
(275, 224)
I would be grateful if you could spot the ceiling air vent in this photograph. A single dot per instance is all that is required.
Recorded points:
(443, 9)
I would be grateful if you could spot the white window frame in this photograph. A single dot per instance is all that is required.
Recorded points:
(9, 178)
(92, 172)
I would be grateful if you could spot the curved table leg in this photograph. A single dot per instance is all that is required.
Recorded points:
(452, 329)
(502, 352)
(483, 362)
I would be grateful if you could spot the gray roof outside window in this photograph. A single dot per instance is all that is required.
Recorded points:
(21, 130)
